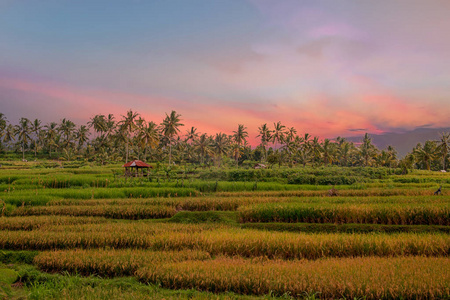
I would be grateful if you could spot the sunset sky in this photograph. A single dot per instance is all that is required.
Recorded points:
(328, 68)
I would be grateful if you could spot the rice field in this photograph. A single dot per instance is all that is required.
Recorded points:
(385, 238)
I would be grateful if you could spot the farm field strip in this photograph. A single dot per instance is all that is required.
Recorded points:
(349, 192)
(397, 210)
(229, 241)
(121, 262)
(109, 211)
(373, 277)
(370, 278)
(232, 203)
(397, 214)
(36, 222)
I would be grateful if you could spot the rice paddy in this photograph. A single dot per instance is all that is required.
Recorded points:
(384, 238)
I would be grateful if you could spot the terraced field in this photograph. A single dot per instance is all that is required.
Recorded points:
(68, 234)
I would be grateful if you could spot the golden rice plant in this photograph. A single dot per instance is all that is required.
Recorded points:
(351, 278)
(111, 262)
(35, 222)
(228, 241)
(109, 211)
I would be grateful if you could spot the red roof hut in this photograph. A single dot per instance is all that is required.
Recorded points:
(136, 168)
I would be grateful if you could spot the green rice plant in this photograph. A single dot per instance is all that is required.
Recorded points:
(201, 203)
(351, 278)
(134, 212)
(111, 263)
(42, 196)
(323, 192)
(411, 214)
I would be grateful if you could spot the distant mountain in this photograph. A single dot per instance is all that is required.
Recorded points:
(405, 141)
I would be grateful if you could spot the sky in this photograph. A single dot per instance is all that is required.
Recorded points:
(329, 68)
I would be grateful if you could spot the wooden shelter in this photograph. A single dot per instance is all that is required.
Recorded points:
(136, 168)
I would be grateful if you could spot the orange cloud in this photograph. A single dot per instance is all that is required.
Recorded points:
(320, 116)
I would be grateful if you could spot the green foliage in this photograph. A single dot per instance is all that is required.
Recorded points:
(25, 257)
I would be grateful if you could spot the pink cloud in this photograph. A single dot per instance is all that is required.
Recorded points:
(320, 116)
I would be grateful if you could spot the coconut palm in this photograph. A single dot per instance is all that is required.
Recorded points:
(110, 126)
(426, 154)
(239, 137)
(264, 134)
(278, 133)
(36, 129)
(344, 150)
(202, 146)
(66, 129)
(9, 134)
(367, 150)
(170, 129)
(23, 134)
(3, 123)
(98, 122)
(328, 151)
(220, 146)
(127, 125)
(191, 134)
(315, 149)
(148, 136)
(443, 147)
(81, 135)
(291, 133)
(51, 136)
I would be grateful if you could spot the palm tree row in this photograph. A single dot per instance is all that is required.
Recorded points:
(105, 139)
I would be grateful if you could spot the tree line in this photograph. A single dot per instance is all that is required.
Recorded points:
(107, 139)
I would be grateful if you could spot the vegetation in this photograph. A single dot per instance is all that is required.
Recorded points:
(105, 139)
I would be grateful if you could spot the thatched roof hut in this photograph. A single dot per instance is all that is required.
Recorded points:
(136, 168)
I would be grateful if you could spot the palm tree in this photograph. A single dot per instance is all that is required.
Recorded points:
(110, 126)
(328, 151)
(148, 136)
(9, 134)
(23, 133)
(51, 136)
(98, 122)
(3, 122)
(81, 136)
(443, 147)
(202, 145)
(290, 133)
(220, 146)
(344, 150)
(426, 154)
(36, 129)
(239, 136)
(278, 133)
(315, 149)
(191, 134)
(367, 150)
(127, 126)
(170, 128)
(66, 129)
(264, 134)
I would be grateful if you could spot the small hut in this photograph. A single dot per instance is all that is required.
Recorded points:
(136, 168)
